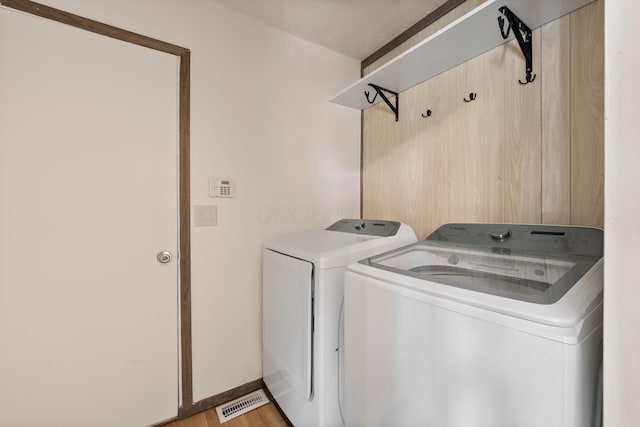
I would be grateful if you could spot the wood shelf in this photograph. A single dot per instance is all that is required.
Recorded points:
(467, 37)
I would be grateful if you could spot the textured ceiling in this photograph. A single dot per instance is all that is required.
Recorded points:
(356, 28)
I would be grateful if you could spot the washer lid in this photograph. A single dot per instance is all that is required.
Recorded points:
(522, 275)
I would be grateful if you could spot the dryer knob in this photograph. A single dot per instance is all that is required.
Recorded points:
(360, 226)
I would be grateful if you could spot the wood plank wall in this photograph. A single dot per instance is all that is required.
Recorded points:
(522, 154)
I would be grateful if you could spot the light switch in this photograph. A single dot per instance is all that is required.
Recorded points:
(206, 216)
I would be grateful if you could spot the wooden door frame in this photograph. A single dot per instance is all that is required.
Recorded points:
(184, 163)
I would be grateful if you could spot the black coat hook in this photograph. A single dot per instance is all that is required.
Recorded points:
(427, 114)
(472, 96)
(370, 101)
(528, 79)
(504, 32)
(381, 91)
(524, 37)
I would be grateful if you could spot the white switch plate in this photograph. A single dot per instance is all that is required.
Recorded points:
(206, 216)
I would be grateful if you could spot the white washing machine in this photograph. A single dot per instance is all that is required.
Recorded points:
(480, 325)
(303, 281)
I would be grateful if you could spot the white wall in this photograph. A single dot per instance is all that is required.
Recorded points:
(259, 115)
(622, 216)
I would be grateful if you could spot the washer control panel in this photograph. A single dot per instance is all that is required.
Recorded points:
(368, 227)
(540, 238)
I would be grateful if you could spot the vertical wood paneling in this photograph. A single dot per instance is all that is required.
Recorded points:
(453, 155)
(381, 135)
(518, 153)
(556, 130)
(587, 115)
(480, 139)
(522, 127)
(406, 179)
(392, 166)
(437, 140)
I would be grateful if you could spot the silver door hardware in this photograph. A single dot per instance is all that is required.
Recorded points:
(164, 257)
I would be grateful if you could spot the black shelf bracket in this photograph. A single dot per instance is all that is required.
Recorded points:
(523, 35)
(381, 91)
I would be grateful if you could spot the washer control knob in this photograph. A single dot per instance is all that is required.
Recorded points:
(500, 233)
(360, 226)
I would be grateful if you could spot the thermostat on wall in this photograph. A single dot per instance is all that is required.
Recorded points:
(221, 188)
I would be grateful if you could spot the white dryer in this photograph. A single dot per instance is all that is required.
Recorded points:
(480, 325)
(303, 281)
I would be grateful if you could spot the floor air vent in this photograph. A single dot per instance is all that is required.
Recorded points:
(241, 405)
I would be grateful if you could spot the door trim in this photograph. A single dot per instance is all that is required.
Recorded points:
(184, 163)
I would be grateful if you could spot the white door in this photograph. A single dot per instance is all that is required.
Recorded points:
(88, 198)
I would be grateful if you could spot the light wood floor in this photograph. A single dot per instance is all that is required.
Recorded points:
(265, 416)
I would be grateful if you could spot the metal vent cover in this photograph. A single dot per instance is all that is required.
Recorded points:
(241, 405)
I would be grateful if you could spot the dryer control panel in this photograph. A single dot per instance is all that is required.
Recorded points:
(369, 227)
